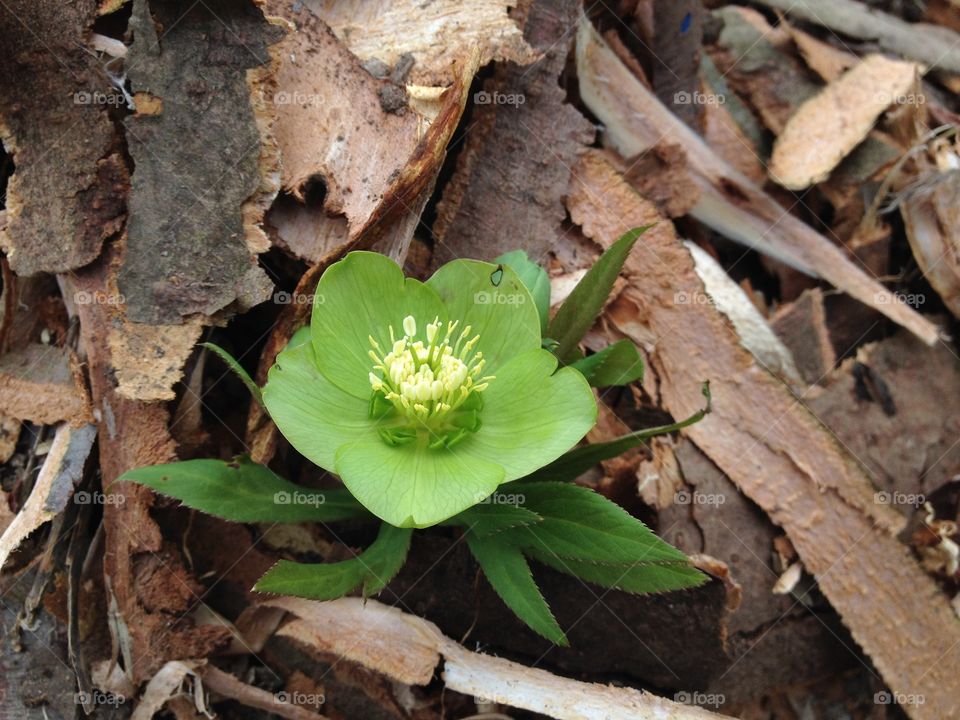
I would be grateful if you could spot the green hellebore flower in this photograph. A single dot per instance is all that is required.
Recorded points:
(424, 397)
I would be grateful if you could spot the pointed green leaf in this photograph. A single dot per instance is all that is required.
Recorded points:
(371, 569)
(578, 312)
(534, 277)
(318, 581)
(244, 491)
(581, 524)
(576, 462)
(492, 517)
(237, 368)
(509, 574)
(617, 364)
(638, 578)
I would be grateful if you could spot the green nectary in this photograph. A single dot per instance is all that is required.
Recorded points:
(425, 397)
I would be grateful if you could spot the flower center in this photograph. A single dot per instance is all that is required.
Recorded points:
(428, 390)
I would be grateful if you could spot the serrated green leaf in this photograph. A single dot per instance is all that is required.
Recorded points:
(244, 491)
(583, 525)
(509, 574)
(534, 277)
(584, 304)
(372, 569)
(319, 581)
(573, 464)
(237, 368)
(638, 578)
(617, 364)
(488, 518)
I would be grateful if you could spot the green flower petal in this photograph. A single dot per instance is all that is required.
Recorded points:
(502, 314)
(409, 486)
(316, 416)
(531, 415)
(361, 296)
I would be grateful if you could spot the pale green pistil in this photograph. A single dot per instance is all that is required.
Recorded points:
(429, 391)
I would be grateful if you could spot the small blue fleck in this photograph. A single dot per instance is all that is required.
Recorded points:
(686, 22)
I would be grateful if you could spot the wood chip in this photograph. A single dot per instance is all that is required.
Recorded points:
(43, 384)
(318, 85)
(9, 434)
(149, 359)
(827, 127)
(375, 635)
(802, 326)
(827, 61)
